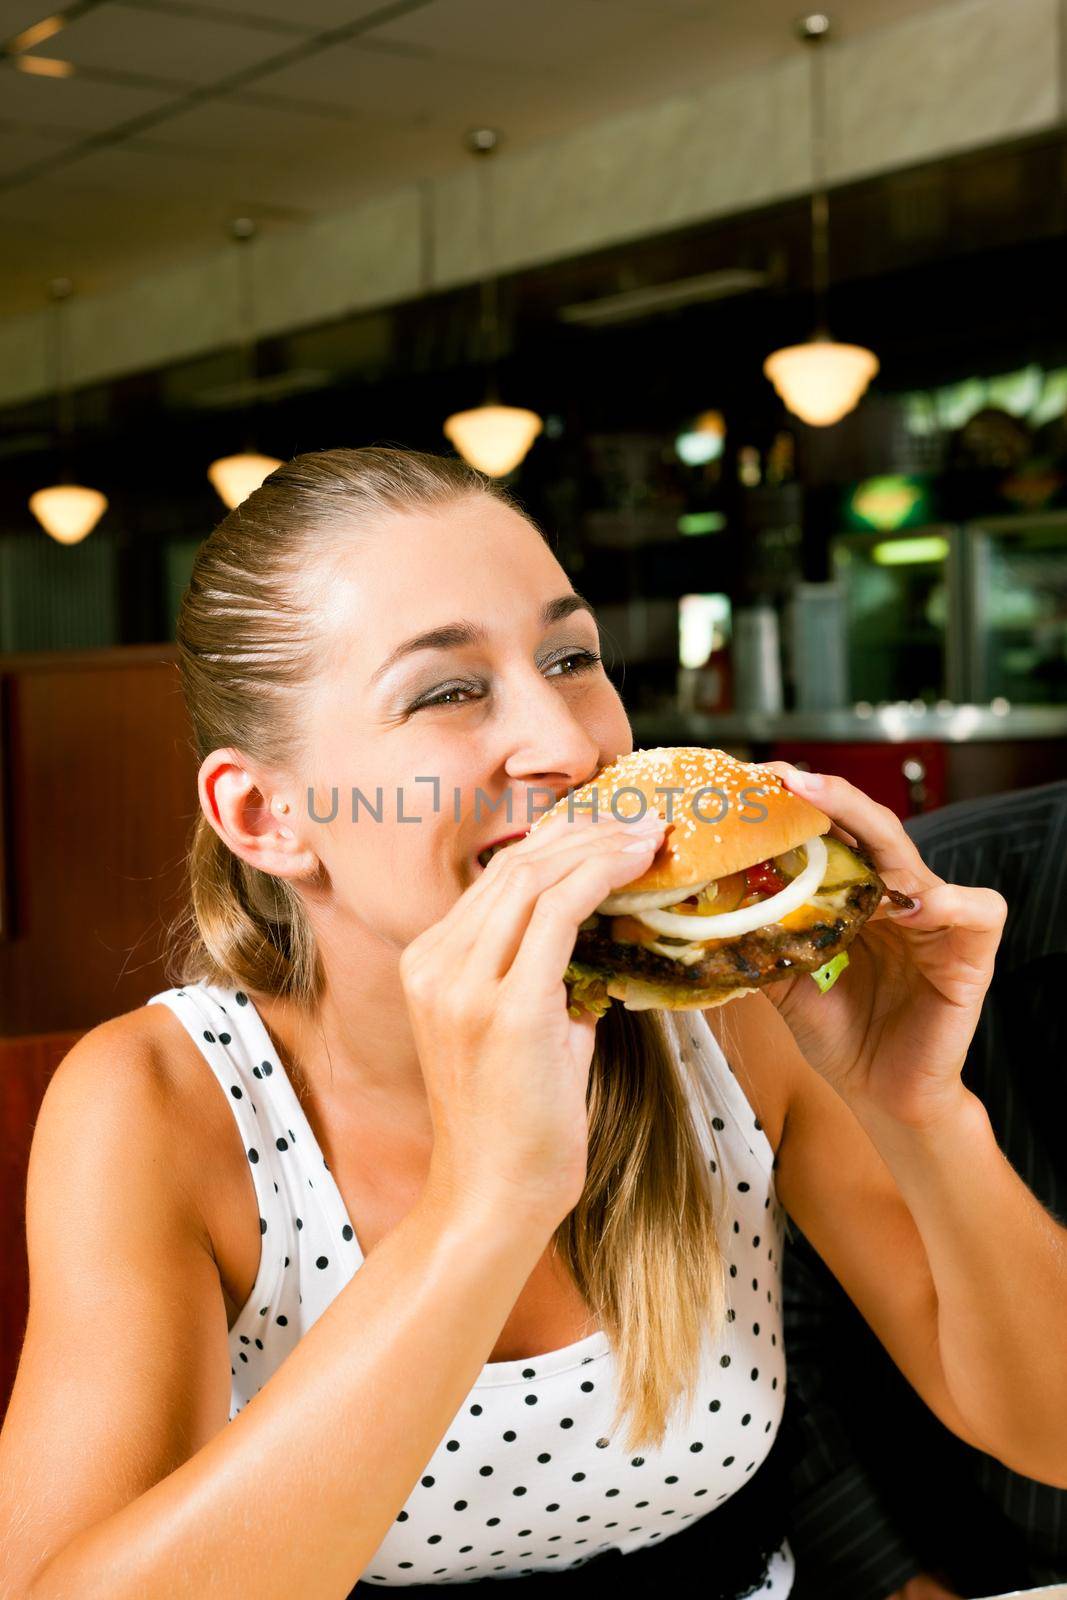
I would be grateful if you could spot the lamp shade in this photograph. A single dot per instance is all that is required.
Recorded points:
(493, 438)
(235, 477)
(67, 511)
(822, 380)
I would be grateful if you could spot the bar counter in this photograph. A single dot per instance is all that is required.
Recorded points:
(897, 722)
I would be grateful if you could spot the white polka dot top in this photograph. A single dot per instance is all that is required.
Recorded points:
(526, 1478)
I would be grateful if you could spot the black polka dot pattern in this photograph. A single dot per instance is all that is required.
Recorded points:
(530, 1475)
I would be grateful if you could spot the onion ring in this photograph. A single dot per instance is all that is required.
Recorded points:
(729, 924)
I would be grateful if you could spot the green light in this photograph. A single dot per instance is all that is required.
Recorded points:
(1053, 401)
(1016, 392)
(1033, 393)
(888, 503)
(702, 522)
(903, 552)
(957, 402)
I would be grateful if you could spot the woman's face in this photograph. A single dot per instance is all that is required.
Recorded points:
(443, 735)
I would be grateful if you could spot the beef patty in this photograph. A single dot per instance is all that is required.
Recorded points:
(752, 959)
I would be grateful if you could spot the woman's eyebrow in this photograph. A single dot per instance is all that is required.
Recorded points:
(454, 635)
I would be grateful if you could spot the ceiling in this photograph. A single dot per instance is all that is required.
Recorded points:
(132, 134)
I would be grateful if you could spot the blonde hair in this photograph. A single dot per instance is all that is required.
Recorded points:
(641, 1245)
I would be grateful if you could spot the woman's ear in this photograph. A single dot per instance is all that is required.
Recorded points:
(232, 797)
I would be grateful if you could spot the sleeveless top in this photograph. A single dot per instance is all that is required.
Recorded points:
(526, 1478)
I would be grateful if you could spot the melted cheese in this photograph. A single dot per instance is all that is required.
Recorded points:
(803, 917)
(627, 930)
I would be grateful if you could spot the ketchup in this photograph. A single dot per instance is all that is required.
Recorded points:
(764, 878)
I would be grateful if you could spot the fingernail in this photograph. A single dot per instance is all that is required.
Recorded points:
(805, 780)
(639, 844)
(904, 911)
(648, 823)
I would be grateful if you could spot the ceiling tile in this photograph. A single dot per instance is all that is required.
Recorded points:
(23, 147)
(699, 46)
(229, 128)
(408, 85)
(262, 158)
(316, 15)
(74, 103)
(279, 191)
(18, 15)
(651, 45)
(386, 109)
(551, 33)
(123, 38)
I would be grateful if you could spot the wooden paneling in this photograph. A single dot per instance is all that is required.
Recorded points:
(98, 795)
(100, 798)
(26, 1065)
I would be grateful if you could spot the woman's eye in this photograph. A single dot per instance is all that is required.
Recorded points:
(583, 660)
(441, 696)
(577, 660)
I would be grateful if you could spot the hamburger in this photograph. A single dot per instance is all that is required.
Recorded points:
(747, 887)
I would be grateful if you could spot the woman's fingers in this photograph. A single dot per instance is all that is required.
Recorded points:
(458, 916)
(548, 938)
(462, 922)
(876, 825)
(974, 917)
(608, 856)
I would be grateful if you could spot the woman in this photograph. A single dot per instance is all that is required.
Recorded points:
(563, 1338)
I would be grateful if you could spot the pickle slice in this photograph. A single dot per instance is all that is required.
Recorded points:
(842, 866)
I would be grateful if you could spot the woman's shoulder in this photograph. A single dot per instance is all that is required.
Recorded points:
(143, 1052)
(132, 1053)
(141, 1073)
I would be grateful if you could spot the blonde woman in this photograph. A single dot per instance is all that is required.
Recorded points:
(356, 1261)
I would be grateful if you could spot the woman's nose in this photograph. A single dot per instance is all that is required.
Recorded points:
(546, 736)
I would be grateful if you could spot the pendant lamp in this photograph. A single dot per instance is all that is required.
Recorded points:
(68, 512)
(821, 380)
(235, 477)
(494, 438)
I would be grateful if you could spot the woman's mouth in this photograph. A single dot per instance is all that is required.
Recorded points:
(484, 857)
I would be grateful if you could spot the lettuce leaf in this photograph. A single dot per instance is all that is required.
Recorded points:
(587, 991)
(827, 975)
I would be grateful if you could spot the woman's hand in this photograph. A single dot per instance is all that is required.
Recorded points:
(506, 1067)
(893, 1031)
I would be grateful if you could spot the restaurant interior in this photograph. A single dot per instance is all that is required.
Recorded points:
(760, 316)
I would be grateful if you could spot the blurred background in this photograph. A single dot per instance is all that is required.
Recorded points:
(761, 315)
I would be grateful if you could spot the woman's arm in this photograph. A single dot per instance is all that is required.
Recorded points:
(120, 1478)
(946, 1254)
(999, 1265)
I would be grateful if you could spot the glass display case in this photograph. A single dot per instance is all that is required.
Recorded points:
(901, 642)
(972, 613)
(1016, 585)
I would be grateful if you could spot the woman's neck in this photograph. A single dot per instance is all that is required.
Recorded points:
(356, 1043)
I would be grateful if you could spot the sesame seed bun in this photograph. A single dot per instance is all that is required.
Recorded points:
(745, 813)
